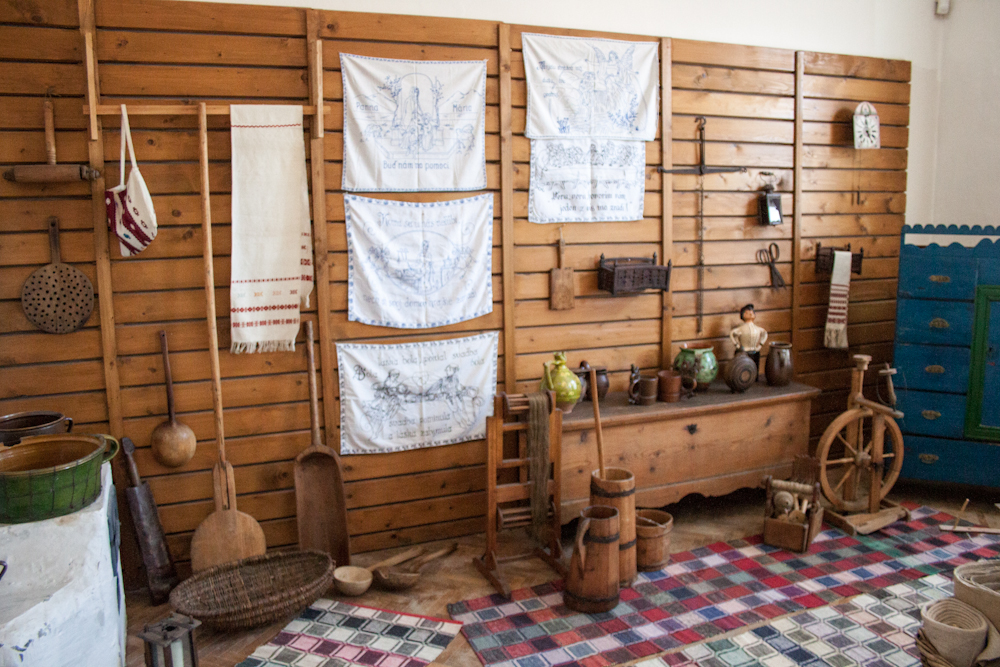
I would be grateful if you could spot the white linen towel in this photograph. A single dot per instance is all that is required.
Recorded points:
(272, 240)
(840, 290)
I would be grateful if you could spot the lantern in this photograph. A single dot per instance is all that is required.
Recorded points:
(170, 642)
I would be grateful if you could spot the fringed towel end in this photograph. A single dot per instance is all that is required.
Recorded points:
(262, 346)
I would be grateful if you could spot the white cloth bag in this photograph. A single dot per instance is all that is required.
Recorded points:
(130, 208)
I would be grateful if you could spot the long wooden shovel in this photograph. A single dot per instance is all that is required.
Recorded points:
(321, 508)
(226, 534)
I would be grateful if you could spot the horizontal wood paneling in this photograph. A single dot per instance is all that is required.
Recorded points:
(167, 51)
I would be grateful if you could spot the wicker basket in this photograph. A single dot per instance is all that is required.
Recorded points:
(254, 591)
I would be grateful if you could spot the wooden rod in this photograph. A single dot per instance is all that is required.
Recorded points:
(130, 555)
(207, 259)
(666, 197)
(179, 109)
(321, 243)
(597, 421)
(507, 210)
(799, 155)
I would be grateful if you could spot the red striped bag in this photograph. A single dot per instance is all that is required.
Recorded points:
(130, 208)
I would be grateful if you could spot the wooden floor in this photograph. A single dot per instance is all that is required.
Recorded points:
(697, 521)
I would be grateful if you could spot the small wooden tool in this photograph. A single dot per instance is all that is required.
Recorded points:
(561, 287)
(51, 172)
(400, 579)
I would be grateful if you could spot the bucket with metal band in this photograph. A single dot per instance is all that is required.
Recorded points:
(617, 489)
(592, 580)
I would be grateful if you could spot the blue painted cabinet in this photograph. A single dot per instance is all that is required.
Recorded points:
(946, 351)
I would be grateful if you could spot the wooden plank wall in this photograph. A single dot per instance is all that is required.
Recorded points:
(159, 50)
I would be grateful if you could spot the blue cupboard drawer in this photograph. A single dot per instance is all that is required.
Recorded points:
(944, 278)
(934, 322)
(932, 368)
(930, 413)
(957, 461)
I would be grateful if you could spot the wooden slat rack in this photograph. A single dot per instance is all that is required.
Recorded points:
(505, 500)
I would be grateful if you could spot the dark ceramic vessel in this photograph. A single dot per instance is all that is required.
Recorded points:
(778, 367)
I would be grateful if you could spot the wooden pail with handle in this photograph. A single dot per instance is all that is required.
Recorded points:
(617, 489)
(592, 581)
(652, 532)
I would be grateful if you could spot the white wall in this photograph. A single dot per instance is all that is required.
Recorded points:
(967, 187)
(958, 56)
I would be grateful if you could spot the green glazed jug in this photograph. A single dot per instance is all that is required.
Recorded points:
(564, 382)
(697, 361)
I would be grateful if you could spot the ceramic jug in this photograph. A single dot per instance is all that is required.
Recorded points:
(697, 361)
(778, 366)
(564, 382)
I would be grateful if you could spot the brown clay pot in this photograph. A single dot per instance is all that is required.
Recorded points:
(603, 383)
(778, 367)
(741, 373)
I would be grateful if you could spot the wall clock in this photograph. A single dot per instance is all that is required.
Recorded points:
(866, 132)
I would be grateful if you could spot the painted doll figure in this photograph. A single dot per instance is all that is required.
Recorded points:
(748, 337)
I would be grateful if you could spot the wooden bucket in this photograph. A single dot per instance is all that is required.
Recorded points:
(617, 490)
(652, 547)
(592, 580)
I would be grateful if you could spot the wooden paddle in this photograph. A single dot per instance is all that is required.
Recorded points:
(226, 534)
(321, 509)
(561, 288)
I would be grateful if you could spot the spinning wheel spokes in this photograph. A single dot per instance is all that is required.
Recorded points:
(859, 470)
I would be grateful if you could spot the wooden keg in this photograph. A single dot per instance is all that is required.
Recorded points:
(592, 580)
(617, 490)
(652, 548)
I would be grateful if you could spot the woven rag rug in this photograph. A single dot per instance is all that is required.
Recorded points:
(336, 634)
(712, 591)
(872, 630)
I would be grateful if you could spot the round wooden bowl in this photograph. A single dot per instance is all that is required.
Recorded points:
(351, 580)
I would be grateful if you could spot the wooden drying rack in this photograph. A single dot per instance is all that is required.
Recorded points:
(498, 491)
(94, 109)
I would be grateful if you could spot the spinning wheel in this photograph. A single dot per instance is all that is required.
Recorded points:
(863, 465)
(861, 451)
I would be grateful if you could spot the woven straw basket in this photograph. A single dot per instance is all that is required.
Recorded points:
(254, 591)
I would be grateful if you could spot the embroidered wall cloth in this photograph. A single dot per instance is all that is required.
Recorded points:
(586, 180)
(599, 88)
(419, 265)
(413, 125)
(413, 395)
(272, 241)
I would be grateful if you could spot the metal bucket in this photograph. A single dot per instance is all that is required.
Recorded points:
(26, 424)
(52, 475)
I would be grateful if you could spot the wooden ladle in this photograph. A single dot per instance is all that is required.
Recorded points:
(173, 443)
(402, 578)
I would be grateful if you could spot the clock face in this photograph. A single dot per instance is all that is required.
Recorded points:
(866, 131)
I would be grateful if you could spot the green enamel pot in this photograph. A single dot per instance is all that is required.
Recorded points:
(47, 476)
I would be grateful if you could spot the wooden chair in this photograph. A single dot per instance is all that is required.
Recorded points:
(509, 488)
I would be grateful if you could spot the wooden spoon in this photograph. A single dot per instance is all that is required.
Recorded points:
(173, 443)
(402, 578)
